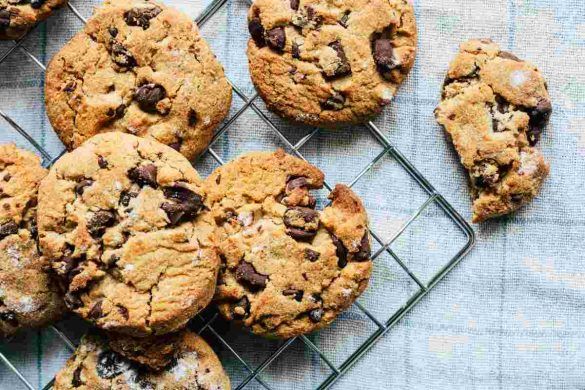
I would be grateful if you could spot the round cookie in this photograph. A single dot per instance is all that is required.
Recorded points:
(28, 296)
(123, 221)
(327, 63)
(494, 107)
(142, 68)
(96, 366)
(287, 269)
(19, 16)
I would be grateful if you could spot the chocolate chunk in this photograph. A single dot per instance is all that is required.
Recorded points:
(241, 308)
(110, 365)
(257, 31)
(335, 102)
(340, 251)
(176, 146)
(96, 311)
(311, 255)
(364, 250)
(294, 4)
(144, 175)
(517, 198)
(301, 223)
(100, 221)
(8, 229)
(296, 294)
(539, 117)
(9, 317)
(125, 198)
(276, 38)
(345, 18)
(102, 162)
(509, 56)
(76, 380)
(141, 16)
(316, 315)
(342, 67)
(121, 56)
(294, 182)
(113, 31)
(188, 205)
(4, 19)
(123, 312)
(73, 301)
(192, 117)
(296, 50)
(246, 274)
(148, 95)
(384, 55)
(7, 177)
(36, 4)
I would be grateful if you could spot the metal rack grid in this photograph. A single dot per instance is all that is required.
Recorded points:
(207, 321)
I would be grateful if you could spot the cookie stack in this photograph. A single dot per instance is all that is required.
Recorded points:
(122, 230)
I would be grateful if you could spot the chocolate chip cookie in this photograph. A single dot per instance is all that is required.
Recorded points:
(287, 268)
(323, 63)
(494, 107)
(19, 16)
(95, 365)
(123, 221)
(142, 68)
(28, 296)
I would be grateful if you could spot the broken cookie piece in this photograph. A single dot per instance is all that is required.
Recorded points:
(494, 107)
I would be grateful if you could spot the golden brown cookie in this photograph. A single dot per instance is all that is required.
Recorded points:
(287, 269)
(96, 366)
(28, 296)
(327, 63)
(494, 107)
(123, 221)
(142, 68)
(19, 16)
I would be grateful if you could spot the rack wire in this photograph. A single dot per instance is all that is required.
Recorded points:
(209, 321)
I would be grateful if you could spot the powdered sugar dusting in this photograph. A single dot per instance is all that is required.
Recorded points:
(188, 363)
(26, 304)
(517, 78)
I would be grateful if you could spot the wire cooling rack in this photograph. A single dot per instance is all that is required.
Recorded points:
(254, 372)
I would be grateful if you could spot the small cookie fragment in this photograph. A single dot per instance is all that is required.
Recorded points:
(141, 68)
(28, 296)
(494, 107)
(19, 16)
(96, 365)
(288, 269)
(326, 64)
(123, 222)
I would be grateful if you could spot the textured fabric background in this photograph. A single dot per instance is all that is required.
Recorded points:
(510, 316)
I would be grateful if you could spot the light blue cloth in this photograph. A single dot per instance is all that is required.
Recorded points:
(511, 316)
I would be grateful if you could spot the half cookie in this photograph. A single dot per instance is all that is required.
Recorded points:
(28, 296)
(287, 269)
(138, 67)
(123, 221)
(327, 63)
(95, 365)
(19, 16)
(494, 107)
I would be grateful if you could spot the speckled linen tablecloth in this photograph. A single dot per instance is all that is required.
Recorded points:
(511, 316)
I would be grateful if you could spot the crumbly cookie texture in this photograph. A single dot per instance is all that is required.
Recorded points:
(19, 16)
(142, 68)
(327, 63)
(287, 269)
(28, 296)
(96, 366)
(123, 221)
(494, 107)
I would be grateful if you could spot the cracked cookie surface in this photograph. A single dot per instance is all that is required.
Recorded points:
(28, 296)
(142, 68)
(287, 269)
(19, 16)
(95, 365)
(494, 107)
(323, 63)
(123, 221)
